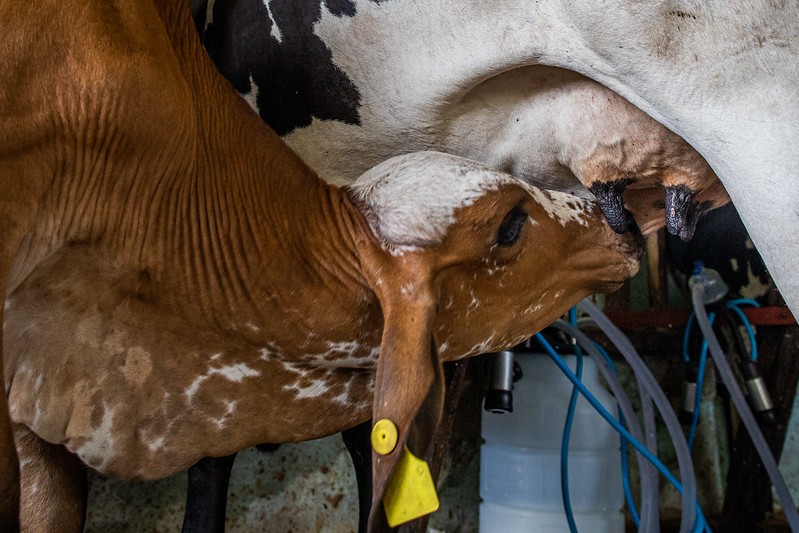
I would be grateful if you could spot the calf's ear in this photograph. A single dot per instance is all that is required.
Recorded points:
(409, 385)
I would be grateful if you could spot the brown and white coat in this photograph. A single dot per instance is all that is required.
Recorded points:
(178, 284)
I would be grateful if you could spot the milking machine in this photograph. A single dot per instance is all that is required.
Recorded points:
(499, 397)
(526, 483)
(704, 292)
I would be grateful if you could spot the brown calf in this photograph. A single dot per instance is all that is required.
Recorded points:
(178, 284)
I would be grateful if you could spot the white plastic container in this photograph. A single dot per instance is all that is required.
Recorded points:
(520, 459)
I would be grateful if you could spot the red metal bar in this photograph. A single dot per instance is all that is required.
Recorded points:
(677, 318)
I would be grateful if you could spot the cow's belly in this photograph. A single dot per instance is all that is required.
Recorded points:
(127, 424)
(138, 393)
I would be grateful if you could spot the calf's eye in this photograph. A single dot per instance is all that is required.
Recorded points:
(511, 227)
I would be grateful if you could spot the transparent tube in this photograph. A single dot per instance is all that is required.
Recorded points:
(650, 430)
(652, 521)
(727, 376)
(650, 433)
(649, 477)
(686, 467)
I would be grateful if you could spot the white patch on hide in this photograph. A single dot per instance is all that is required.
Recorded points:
(400, 250)
(99, 447)
(235, 372)
(754, 288)
(543, 295)
(276, 33)
(411, 199)
(345, 348)
(557, 206)
(342, 355)
(316, 387)
(251, 96)
(155, 444)
(295, 369)
(344, 397)
(194, 386)
(734, 264)
(533, 309)
(483, 347)
(473, 304)
(230, 408)
(269, 352)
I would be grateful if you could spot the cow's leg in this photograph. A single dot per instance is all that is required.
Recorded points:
(19, 199)
(206, 496)
(53, 483)
(9, 469)
(357, 441)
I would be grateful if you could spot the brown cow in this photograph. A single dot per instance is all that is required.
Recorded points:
(178, 284)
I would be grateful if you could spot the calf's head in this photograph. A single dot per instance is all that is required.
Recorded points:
(465, 260)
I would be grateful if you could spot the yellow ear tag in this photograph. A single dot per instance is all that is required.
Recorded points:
(411, 492)
(384, 436)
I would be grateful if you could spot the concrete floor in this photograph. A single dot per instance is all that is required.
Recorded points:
(300, 487)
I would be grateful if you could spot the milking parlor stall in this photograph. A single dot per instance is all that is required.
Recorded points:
(416, 265)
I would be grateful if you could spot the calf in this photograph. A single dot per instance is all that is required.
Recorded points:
(165, 258)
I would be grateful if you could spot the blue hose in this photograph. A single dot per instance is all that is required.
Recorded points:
(733, 306)
(605, 366)
(701, 523)
(564, 450)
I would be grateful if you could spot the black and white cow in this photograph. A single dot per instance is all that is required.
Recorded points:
(546, 125)
(352, 82)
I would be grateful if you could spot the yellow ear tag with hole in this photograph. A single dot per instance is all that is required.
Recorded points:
(384, 436)
(411, 492)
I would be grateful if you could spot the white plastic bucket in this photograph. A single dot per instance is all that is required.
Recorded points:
(520, 459)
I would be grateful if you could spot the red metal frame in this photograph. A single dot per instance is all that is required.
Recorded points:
(677, 318)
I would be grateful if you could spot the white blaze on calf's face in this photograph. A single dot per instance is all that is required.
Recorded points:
(413, 198)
